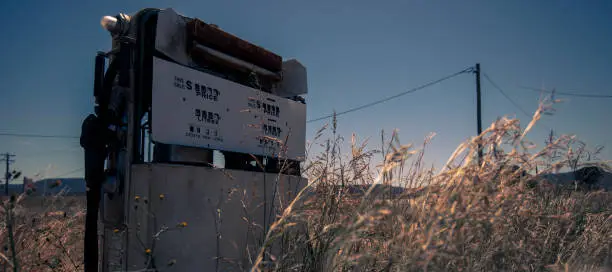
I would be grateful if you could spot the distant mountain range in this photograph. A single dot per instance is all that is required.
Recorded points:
(595, 178)
(69, 186)
(591, 177)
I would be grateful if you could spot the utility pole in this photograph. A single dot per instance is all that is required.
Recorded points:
(7, 158)
(478, 111)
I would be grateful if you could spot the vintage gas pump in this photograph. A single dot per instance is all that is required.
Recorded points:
(179, 97)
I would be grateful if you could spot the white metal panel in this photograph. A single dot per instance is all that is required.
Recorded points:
(193, 108)
(215, 204)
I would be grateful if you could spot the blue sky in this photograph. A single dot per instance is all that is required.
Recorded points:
(355, 52)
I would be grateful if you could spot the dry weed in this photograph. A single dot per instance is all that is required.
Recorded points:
(497, 213)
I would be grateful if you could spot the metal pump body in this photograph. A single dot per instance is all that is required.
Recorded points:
(192, 125)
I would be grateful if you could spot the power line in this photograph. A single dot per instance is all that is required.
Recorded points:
(69, 173)
(470, 69)
(510, 99)
(39, 136)
(64, 151)
(63, 175)
(506, 96)
(568, 94)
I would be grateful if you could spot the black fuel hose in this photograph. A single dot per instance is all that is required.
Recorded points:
(95, 139)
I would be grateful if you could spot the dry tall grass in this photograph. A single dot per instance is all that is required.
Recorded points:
(47, 233)
(496, 215)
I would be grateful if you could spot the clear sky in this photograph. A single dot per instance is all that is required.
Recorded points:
(355, 52)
